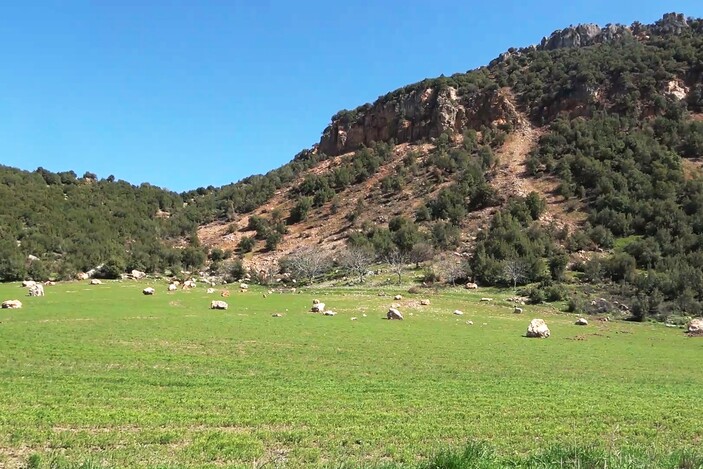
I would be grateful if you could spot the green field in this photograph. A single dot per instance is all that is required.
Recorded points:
(107, 375)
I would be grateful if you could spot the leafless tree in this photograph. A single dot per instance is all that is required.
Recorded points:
(397, 260)
(514, 270)
(421, 252)
(451, 268)
(356, 260)
(307, 263)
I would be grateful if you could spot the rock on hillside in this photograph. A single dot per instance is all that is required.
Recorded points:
(410, 116)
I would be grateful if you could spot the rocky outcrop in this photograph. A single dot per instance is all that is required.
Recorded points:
(583, 35)
(421, 113)
(671, 23)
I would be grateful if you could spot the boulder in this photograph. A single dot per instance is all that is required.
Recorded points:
(471, 286)
(189, 284)
(398, 297)
(353, 318)
(210, 291)
(243, 286)
(148, 291)
(425, 302)
(172, 287)
(458, 313)
(96, 281)
(215, 304)
(318, 308)
(36, 290)
(329, 313)
(469, 323)
(82, 276)
(695, 326)
(11, 304)
(517, 310)
(277, 315)
(538, 328)
(486, 299)
(137, 274)
(581, 322)
(28, 283)
(394, 314)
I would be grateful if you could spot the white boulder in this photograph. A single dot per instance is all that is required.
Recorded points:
(538, 328)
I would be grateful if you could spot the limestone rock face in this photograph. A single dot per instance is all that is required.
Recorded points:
(583, 35)
(414, 115)
(538, 328)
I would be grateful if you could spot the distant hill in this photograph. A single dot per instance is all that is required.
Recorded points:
(579, 157)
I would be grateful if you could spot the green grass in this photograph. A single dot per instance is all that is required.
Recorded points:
(106, 375)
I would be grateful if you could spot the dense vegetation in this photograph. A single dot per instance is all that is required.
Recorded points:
(56, 224)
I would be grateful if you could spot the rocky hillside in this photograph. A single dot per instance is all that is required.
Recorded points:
(577, 159)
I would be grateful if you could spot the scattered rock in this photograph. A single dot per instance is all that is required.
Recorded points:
(210, 291)
(28, 283)
(394, 314)
(243, 286)
(329, 313)
(318, 308)
(172, 287)
(277, 315)
(36, 290)
(353, 318)
(148, 291)
(11, 304)
(398, 297)
(425, 302)
(582, 322)
(470, 323)
(458, 313)
(215, 304)
(471, 286)
(695, 326)
(96, 281)
(517, 310)
(486, 299)
(137, 274)
(538, 328)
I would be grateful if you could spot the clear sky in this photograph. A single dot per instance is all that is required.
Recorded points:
(184, 94)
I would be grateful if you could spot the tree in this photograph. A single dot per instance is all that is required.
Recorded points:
(451, 268)
(307, 263)
(246, 244)
(356, 260)
(421, 252)
(397, 260)
(515, 270)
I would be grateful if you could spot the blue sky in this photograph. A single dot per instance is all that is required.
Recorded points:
(184, 94)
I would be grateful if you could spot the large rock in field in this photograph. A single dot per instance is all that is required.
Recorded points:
(95, 281)
(138, 274)
(172, 287)
(215, 304)
(538, 328)
(582, 322)
(11, 304)
(695, 326)
(36, 290)
(148, 291)
(394, 314)
(471, 286)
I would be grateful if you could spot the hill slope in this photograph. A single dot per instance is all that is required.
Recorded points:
(582, 151)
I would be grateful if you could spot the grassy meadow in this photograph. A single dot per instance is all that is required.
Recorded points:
(106, 375)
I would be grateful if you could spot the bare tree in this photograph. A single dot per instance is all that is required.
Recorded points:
(307, 263)
(451, 268)
(514, 270)
(397, 260)
(421, 252)
(356, 260)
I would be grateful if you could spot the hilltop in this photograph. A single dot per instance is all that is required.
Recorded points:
(580, 155)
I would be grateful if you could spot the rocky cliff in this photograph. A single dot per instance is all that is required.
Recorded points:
(423, 113)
